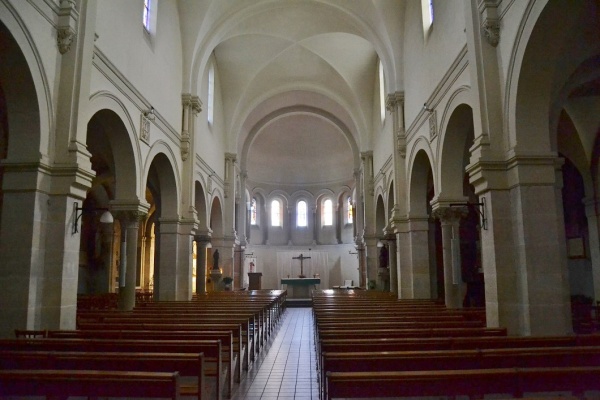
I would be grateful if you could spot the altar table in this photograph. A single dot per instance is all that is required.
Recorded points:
(299, 288)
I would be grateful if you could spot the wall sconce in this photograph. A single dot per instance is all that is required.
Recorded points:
(427, 109)
(105, 218)
(380, 244)
(149, 114)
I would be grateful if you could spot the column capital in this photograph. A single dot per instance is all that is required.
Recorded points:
(450, 214)
(394, 101)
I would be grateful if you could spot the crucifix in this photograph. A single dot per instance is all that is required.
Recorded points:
(301, 257)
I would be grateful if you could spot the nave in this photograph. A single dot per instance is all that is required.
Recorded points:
(287, 369)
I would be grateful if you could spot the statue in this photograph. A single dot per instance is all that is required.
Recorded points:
(216, 259)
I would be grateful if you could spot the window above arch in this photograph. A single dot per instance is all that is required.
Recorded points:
(253, 212)
(381, 78)
(427, 15)
(211, 93)
(301, 214)
(327, 212)
(146, 15)
(276, 213)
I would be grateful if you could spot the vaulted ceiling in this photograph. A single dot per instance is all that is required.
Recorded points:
(298, 81)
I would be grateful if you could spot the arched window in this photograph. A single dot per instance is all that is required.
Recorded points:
(427, 14)
(275, 213)
(146, 15)
(253, 212)
(211, 93)
(349, 215)
(328, 212)
(381, 90)
(301, 217)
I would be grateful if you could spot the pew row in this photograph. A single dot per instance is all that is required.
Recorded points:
(514, 382)
(90, 383)
(424, 360)
(213, 358)
(188, 365)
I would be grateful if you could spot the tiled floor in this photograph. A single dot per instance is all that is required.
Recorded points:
(286, 369)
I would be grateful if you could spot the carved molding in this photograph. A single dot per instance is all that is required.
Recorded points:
(433, 125)
(450, 214)
(64, 39)
(144, 128)
(491, 31)
(394, 100)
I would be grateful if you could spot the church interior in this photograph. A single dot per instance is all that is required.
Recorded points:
(441, 151)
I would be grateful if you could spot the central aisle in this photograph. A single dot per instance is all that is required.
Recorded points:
(286, 369)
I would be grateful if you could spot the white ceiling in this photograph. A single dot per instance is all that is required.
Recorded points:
(274, 57)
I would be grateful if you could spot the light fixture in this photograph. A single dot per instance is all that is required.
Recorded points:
(427, 109)
(149, 114)
(105, 218)
(380, 244)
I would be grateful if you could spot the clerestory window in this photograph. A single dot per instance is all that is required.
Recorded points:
(301, 214)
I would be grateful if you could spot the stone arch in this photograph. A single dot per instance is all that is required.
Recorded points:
(420, 181)
(25, 86)
(26, 116)
(162, 167)
(537, 70)
(458, 133)
(110, 114)
(163, 196)
(200, 205)
(380, 216)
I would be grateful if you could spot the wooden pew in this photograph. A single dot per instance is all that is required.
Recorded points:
(236, 329)
(186, 364)
(90, 383)
(213, 358)
(459, 359)
(231, 349)
(514, 382)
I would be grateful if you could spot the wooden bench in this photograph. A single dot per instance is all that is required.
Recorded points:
(186, 364)
(213, 358)
(514, 382)
(230, 348)
(459, 359)
(61, 383)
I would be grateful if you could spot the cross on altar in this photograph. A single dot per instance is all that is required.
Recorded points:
(301, 257)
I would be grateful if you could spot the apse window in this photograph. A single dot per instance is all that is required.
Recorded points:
(146, 15)
(427, 13)
(211, 93)
(328, 212)
(275, 213)
(349, 215)
(253, 213)
(301, 218)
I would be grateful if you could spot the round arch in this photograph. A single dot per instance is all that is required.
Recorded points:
(161, 164)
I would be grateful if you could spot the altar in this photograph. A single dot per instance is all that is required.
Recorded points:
(299, 288)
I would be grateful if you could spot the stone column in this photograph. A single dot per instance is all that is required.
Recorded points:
(359, 219)
(315, 224)
(450, 221)
(418, 235)
(392, 263)
(592, 214)
(238, 262)
(372, 259)
(202, 242)
(168, 265)
(128, 263)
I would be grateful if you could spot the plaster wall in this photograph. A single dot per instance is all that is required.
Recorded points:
(428, 59)
(151, 62)
(342, 264)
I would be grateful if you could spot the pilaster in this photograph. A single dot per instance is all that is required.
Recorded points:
(202, 243)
